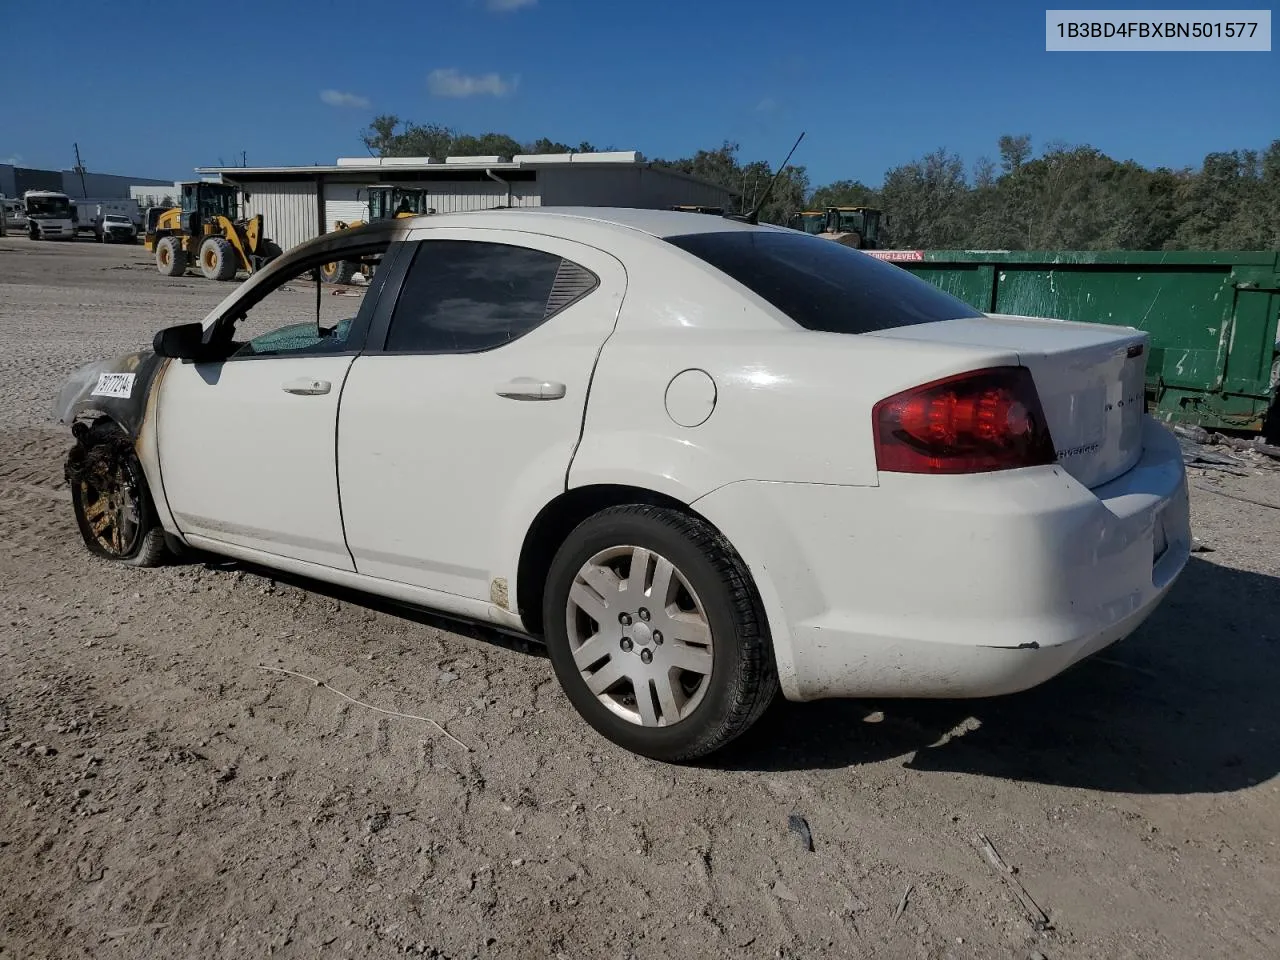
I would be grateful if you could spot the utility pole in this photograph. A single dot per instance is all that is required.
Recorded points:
(84, 191)
(244, 158)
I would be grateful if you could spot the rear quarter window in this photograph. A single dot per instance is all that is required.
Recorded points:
(823, 285)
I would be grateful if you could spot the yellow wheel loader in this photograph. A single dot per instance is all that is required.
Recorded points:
(208, 232)
(857, 227)
(810, 221)
(384, 203)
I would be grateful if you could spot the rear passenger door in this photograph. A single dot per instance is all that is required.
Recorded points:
(461, 418)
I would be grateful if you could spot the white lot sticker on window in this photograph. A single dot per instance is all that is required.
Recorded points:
(114, 385)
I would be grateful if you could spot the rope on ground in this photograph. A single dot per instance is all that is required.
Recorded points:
(1236, 496)
(368, 706)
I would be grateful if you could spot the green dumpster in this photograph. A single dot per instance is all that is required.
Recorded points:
(1212, 317)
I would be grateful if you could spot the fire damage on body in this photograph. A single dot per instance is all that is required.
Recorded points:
(106, 404)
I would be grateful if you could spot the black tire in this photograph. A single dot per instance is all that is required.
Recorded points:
(269, 249)
(743, 680)
(171, 259)
(218, 259)
(113, 506)
(338, 271)
(33, 231)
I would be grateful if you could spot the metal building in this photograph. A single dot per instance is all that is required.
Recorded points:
(298, 203)
(14, 181)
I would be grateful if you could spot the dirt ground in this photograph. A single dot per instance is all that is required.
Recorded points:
(164, 796)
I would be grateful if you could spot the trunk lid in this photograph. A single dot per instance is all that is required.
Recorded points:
(1089, 376)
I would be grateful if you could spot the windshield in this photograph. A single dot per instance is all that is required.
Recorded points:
(823, 285)
(49, 206)
(851, 221)
(113, 218)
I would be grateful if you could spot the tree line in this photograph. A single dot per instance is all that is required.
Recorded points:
(1071, 197)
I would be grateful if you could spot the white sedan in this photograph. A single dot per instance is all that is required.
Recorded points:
(703, 460)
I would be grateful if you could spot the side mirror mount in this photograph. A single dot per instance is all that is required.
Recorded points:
(183, 342)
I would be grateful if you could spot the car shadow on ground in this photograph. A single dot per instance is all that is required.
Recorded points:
(428, 618)
(1187, 704)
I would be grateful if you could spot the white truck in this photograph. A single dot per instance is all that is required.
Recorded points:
(50, 215)
(90, 211)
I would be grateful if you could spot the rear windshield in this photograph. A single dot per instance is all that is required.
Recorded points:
(824, 285)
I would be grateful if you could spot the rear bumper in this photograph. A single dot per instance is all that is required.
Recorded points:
(956, 586)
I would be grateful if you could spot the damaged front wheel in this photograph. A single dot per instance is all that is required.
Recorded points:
(112, 504)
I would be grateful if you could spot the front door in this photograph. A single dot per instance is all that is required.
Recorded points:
(247, 444)
(476, 402)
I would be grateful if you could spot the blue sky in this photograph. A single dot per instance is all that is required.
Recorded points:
(874, 84)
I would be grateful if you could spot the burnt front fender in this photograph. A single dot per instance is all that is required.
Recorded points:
(117, 388)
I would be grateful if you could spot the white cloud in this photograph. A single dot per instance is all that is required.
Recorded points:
(767, 105)
(337, 98)
(449, 82)
(502, 6)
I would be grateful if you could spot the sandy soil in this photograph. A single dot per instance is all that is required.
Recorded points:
(163, 795)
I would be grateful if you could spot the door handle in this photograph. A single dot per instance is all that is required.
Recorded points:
(527, 388)
(306, 387)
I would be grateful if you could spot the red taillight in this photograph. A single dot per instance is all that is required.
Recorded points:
(971, 423)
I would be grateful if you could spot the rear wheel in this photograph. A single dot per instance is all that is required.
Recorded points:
(113, 507)
(656, 633)
(340, 271)
(218, 259)
(171, 259)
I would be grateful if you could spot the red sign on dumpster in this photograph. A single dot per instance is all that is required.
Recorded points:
(895, 254)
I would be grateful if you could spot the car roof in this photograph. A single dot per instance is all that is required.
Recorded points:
(656, 223)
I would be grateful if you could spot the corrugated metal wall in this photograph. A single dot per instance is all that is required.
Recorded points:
(104, 184)
(457, 197)
(624, 187)
(28, 178)
(290, 210)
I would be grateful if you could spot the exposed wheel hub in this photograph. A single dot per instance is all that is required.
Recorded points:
(109, 496)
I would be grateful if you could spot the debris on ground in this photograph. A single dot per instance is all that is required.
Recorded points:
(800, 827)
(1198, 455)
(1039, 919)
(783, 892)
(902, 904)
(1196, 442)
(1256, 445)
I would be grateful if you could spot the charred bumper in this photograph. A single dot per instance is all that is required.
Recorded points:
(117, 388)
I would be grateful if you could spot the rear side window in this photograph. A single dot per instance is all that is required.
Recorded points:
(823, 285)
(463, 296)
